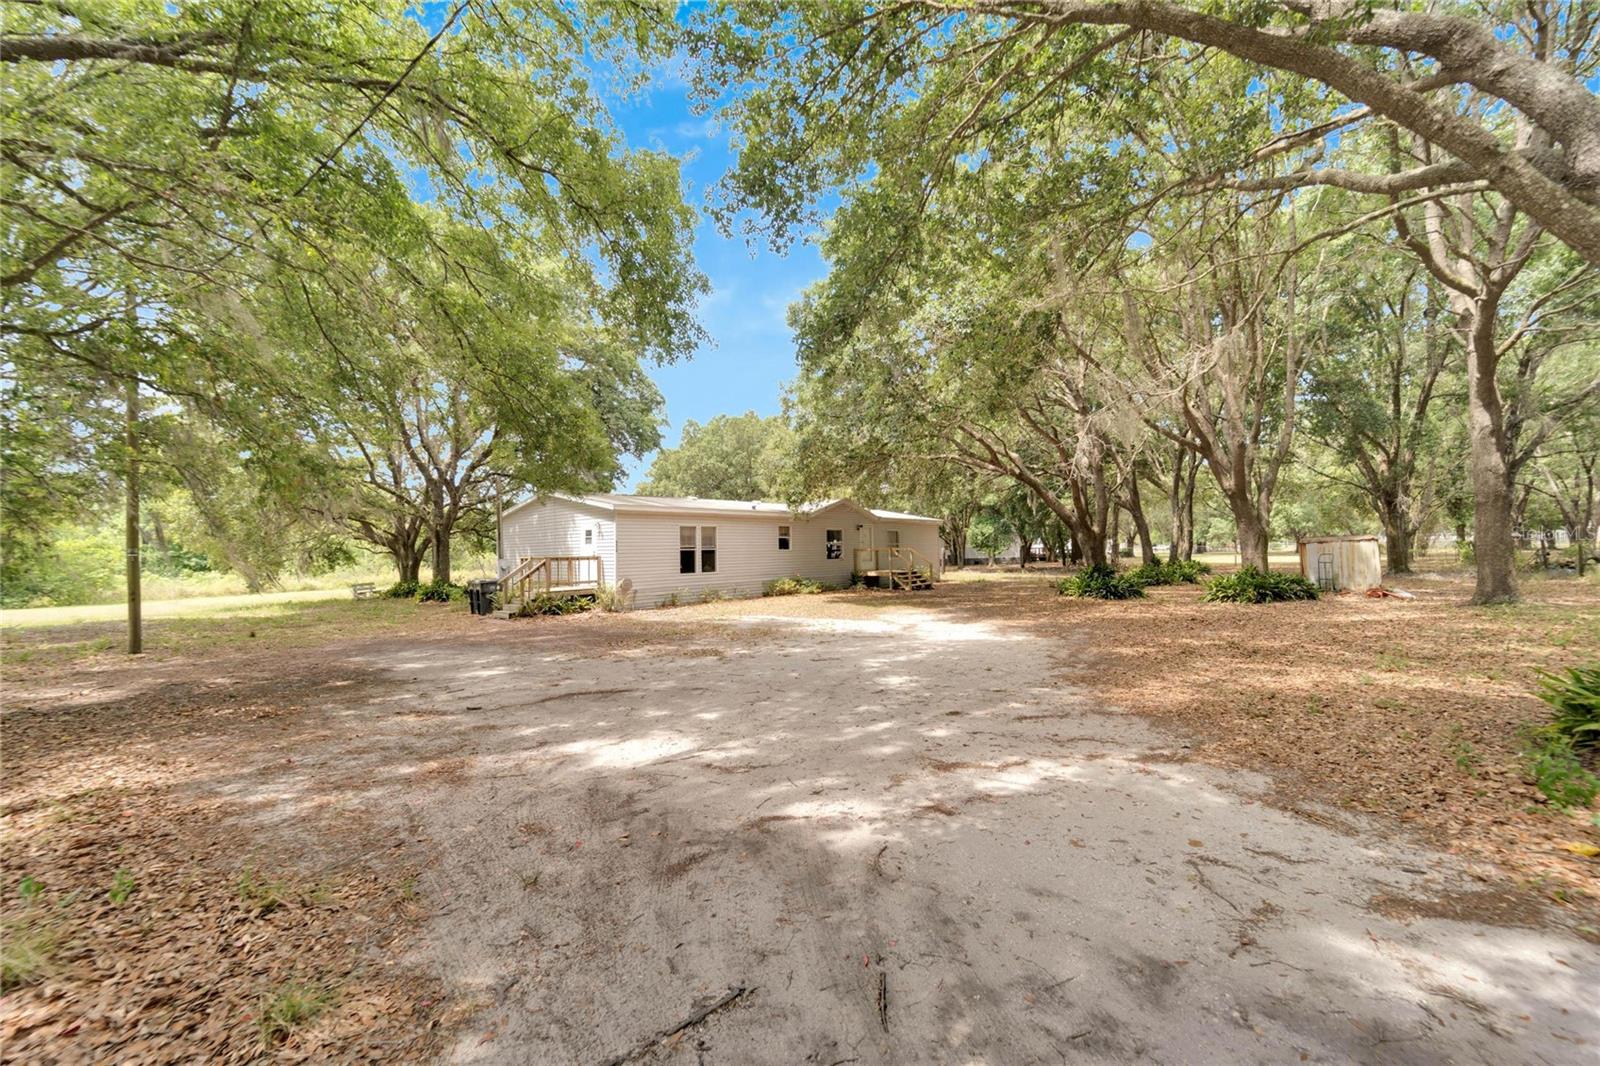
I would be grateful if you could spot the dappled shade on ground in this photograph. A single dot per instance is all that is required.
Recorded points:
(404, 800)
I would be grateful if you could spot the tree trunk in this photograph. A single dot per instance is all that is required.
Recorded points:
(955, 542)
(1493, 534)
(440, 524)
(1147, 546)
(1397, 536)
(131, 522)
(1179, 520)
(158, 533)
(407, 562)
(440, 543)
(1188, 507)
(1252, 535)
(1074, 550)
(1141, 525)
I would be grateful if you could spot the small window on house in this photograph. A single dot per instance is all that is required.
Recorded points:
(836, 544)
(894, 538)
(708, 549)
(685, 549)
(783, 538)
(588, 536)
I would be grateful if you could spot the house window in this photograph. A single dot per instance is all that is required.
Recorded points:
(708, 549)
(836, 544)
(894, 538)
(588, 536)
(685, 549)
(783, 538)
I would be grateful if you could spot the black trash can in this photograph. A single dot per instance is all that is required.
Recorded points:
(472, 596)
(488, 589)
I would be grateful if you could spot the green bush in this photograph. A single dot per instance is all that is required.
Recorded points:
(1557, 771)
(1249, 585)
(441, 592)
(1575, 696)
(554, 603)
(792, 586)
(1100, 582)
(401, 590)
(78, 565)
(1148, 574)
(1180, 572)
(1185, 571)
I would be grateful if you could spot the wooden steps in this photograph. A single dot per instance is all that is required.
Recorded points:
(911, 580)
(904, 580)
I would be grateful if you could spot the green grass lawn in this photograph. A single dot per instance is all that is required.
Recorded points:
(46, 638)
(187, 607)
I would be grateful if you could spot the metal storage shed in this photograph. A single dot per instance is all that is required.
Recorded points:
(1341, 562)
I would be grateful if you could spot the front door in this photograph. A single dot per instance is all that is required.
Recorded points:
(863, 553)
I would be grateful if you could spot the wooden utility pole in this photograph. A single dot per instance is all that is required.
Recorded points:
(131, 523)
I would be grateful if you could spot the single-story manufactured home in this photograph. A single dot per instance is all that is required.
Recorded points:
(657, 549)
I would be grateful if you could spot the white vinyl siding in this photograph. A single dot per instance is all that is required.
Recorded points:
(922, 538)
(747, 555)
(559, 527)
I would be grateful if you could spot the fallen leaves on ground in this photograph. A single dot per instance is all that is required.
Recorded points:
(182, 907)
(174, 925)
(1406, 709)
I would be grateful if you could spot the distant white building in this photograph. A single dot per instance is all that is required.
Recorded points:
(657, 549)
(1012, 553)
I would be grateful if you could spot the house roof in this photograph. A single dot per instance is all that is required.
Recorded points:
(622, 502)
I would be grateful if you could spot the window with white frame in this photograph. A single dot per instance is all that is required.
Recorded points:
(893, 536)
(708, 549)
(836, 544)
(783, 538)
(588, 536)
(707, 554)
(685, 549)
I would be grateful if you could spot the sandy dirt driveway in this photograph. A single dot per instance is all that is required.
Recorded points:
(898, 837)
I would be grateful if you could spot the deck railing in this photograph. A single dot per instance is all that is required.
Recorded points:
(904, 559)
(552, 573)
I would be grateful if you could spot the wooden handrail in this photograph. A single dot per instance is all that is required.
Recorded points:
(537, 575)
(899, 558)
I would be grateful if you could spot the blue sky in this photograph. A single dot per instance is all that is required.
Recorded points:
(750, 353)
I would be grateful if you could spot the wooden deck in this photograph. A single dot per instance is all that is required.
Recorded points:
(550, 575)
(905, 568)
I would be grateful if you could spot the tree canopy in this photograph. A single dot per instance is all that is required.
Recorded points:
(731, 457)
(346, 238)
(1100, 269)
(1061, 245)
